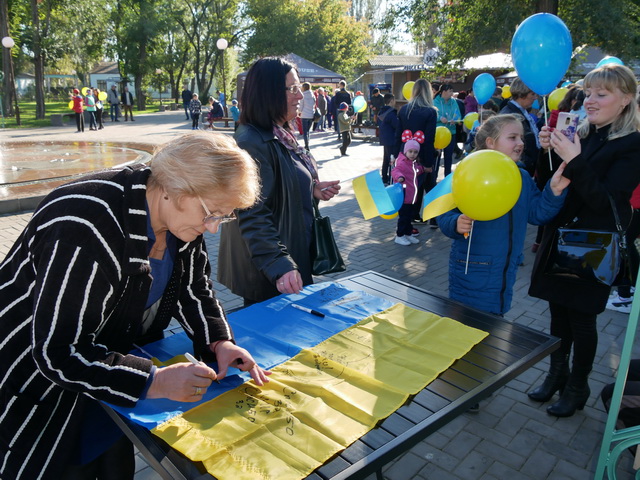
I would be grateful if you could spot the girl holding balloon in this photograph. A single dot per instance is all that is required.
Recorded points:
(483, 277)
(602, 163)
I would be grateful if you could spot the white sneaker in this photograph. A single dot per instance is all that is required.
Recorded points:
(402, 240)
(412, 239)
(618, 304)
(614, 293)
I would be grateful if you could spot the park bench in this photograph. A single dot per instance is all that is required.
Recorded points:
(206, 125)
(57, 119)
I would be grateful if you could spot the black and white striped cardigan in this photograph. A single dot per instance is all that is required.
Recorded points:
(73, 290)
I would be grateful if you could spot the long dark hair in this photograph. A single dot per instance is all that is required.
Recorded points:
(264, 97)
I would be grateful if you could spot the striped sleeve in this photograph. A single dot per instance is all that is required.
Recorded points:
(68, 314)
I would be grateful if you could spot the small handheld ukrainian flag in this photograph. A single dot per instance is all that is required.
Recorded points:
(439, 199)
(374, 198)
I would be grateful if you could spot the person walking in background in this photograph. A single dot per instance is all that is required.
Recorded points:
(307, 107)
(406, 171)
(99, 109)
(127, 104)
(341, 96)
(486, 280)
(114, 102)
(470, 103)
(377, 103)
(448, 117)
(321, 103)
(90, 102)
(78, 109)
(195, 108)
(387, 123)
(268, 251)
(602, 164)
(344, 125)
(187, 96)
(235, 113)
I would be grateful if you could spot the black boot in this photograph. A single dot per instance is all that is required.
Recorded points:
(556, 378)
(575, 395)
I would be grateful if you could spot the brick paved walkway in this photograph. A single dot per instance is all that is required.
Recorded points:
(511, 437)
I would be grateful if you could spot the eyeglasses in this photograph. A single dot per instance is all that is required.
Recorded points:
(210, 219)
(293, 89)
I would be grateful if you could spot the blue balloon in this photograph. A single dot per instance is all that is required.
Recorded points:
(541, 50)
(607, 59)
(536, 104)
(483, 87)
(565, 84)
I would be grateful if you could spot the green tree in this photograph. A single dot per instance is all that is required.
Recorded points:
(319, 30)
(466, 28)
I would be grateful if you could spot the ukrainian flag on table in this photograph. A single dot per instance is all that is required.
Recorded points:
(374, 198)
(439, 199)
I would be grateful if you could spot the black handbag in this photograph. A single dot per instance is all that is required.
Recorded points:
(327, 258)
(593, 256)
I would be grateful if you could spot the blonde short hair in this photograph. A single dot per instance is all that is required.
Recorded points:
(611, 77)
(201, 164)
(518, 89)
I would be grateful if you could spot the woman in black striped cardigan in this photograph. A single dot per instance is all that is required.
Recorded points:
(106, 262)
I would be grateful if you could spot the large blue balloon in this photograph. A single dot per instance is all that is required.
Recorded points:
(606, 60)
(483, 87)
(396, 194)
(541, 50)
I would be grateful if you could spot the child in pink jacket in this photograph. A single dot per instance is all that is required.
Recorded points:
(406, 172)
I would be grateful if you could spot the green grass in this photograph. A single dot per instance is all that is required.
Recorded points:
(28, 113)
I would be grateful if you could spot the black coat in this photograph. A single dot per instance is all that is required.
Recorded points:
(419, 118)
(268, 239)
(611, 166)
(531, 151)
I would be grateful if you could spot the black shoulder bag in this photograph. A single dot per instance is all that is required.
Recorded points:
(592, 256)
(327, 258)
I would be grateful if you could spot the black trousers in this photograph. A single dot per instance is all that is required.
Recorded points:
(633, 230)
(386, 159)
(346, 141)
(578, 330)
(117, 463)
(80, 121)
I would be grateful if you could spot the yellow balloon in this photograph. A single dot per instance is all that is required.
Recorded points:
(470, 119)
(506, 91)
(102, 96)
(71, 104)
(556, 97)
(407, 89)
(390, 216)
(486, 185)
(443, 138)
(84, 90)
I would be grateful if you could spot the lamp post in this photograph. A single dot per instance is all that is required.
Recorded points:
(222, 44)
(159, 74)
(7, 42)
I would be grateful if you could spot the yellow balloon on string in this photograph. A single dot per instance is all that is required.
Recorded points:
(71, 104)
(84, 90)
(443, 138)
(470, 119)
(102, 96)
(506, 91)
(556, 97)
(407, 90)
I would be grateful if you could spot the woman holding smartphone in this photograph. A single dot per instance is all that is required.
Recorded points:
(601, 161)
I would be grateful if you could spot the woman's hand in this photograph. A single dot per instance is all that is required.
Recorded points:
(565, 148)
(558, 182)
(182, 382)
(464, 224)
(229, 354)
(332, 188)
(290, 282)
(544, 136)
(444, 120)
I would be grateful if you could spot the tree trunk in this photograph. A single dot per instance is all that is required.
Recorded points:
(547, 6)
(7, 62)
(38, 61)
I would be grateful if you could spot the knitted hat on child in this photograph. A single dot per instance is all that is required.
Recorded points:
(343, 106)
(412, 140)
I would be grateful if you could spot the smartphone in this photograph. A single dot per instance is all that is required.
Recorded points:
(568, 124)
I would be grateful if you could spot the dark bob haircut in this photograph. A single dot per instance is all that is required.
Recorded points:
(264, 97)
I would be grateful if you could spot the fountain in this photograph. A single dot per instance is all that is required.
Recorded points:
(30, 170)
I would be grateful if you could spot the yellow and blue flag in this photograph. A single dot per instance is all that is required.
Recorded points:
(374, 198)
(439, 199)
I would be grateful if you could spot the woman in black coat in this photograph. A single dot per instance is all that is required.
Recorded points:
(268, 251)
(419, 114)
(601, 161)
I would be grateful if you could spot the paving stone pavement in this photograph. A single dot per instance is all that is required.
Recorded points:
(511, 437)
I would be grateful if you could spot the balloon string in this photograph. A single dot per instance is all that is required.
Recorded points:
(466, 267)
(546, 124)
